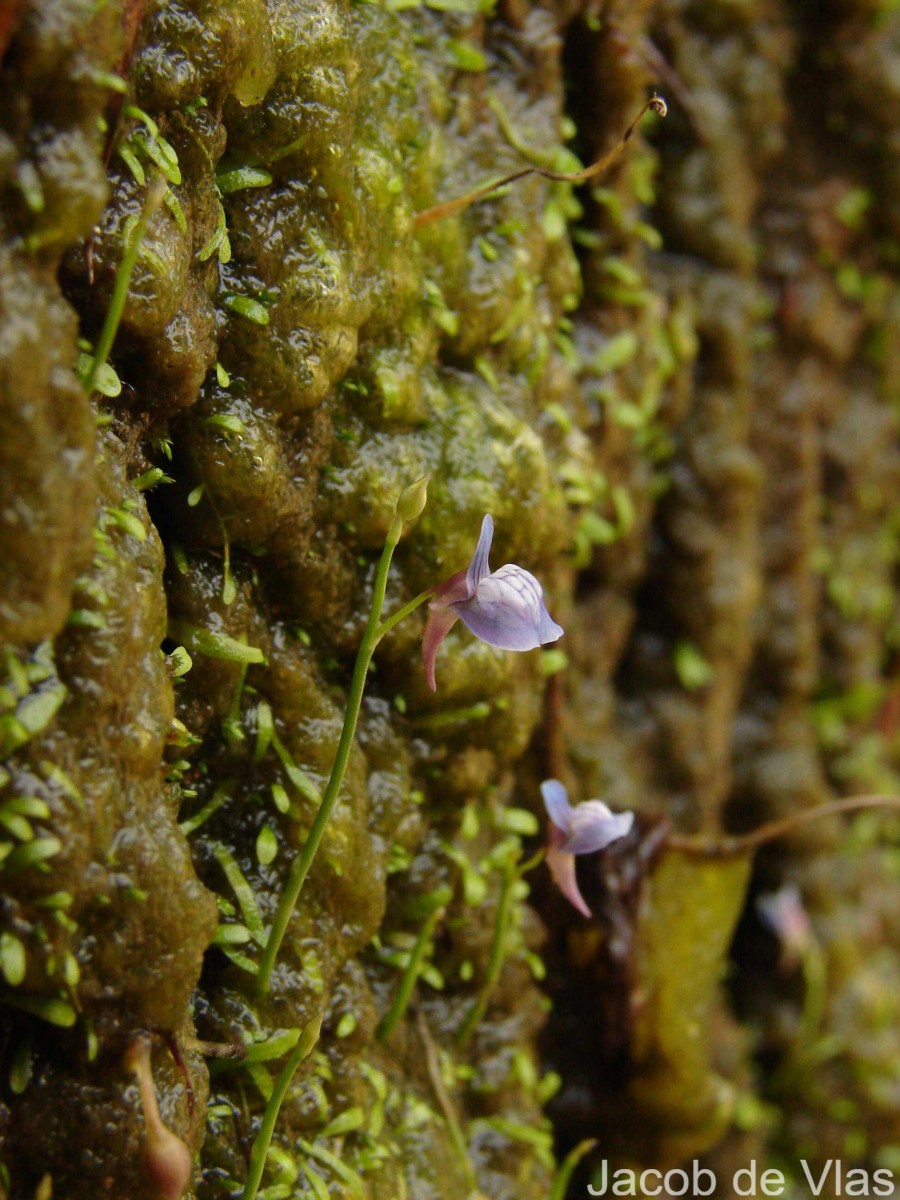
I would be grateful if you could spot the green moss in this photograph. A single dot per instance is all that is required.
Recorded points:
(293, 353)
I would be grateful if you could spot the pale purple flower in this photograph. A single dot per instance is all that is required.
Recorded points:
(504, 608)
(784, 914)
(580, 830)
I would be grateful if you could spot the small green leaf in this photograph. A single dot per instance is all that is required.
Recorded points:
(39, 708)
(161, 153)
(242, 177)
(242, 890)
(86, 618)
(567, 1168)
(180, 558)
(466, 56)
(266, 846)
(55, 900)
(214, 645)
(265, 729)
(246, 307)
(210, 247)
(180, 662)
(624, 506)
(17, 825)
(52, 1009)
(173, 204)
(241, 960)
(346, 1025)
(106, 381)
(20, 1068)
(32, 854)
(138, 114)
(345, 1122)
(316, 1183)
(346, 1174)
(618, 351)
(517, 820)
(692, 669)
(281, 799)
(127, 521)
(219, 797)
(129, 158)
(27, 806)
(597, 529)
(13, 960)
(273, 1047)
(150, 479)
(28, 181)
(553, 661)
(226, 422)
(298, 778)
(232, 935)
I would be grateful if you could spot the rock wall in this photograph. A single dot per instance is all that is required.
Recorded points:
(674, 392)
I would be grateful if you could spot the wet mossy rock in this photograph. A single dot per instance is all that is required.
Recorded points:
(691, 438)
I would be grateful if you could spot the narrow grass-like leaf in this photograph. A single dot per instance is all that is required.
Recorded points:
(242, 890)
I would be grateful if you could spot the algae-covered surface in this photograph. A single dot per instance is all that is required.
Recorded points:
(674, 391)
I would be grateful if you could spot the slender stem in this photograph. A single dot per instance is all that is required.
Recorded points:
(495, 957)
(388, 625)
(263, 1139)
(567, 1167)
(451, 207)
(815, 979)
(300, 866)
(121, 285)
(742, 843)
(439, 720)
(388, 1022)
(457, 1136)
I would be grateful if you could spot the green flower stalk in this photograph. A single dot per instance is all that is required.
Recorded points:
(263, 1140)
(409, 508)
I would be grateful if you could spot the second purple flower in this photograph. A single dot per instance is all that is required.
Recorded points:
(504, 608)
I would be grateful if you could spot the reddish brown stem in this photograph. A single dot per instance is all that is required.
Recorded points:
(743, 843)
(450, 207)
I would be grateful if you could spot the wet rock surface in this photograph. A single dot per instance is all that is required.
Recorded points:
(673, 391)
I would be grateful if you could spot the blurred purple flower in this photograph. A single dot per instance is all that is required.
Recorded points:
(785, 916)
(504, 608)
(580, 830)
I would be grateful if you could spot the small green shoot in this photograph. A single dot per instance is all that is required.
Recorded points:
(391, 1018)
(120, 287)
(263, 1140)
(409, 507)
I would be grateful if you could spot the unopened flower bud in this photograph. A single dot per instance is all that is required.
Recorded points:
(412, 501)
(167, 1159)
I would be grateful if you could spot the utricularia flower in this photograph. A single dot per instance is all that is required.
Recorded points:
(504, 608)
(580, 830)
(783, 912)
